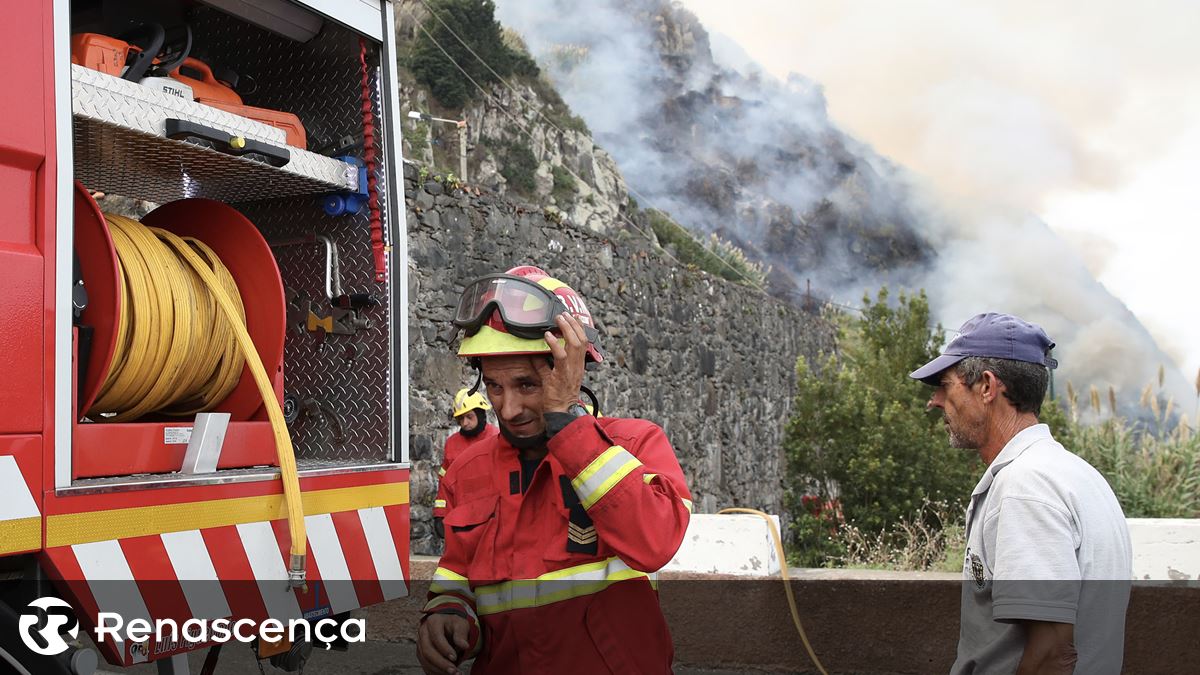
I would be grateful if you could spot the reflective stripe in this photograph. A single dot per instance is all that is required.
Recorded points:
(125, 523)
(445, 581)
(602, 474)
(20, 519)
(565, 584)
(441, 471)
(688, 504)
(442, 600)
(439, 503)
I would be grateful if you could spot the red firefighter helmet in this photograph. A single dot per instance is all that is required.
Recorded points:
(506, 314)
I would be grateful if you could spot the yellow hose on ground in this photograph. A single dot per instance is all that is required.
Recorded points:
(176, 355)
(787, 586)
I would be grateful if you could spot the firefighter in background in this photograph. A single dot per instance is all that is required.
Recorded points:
(470, 412)
(558, 525)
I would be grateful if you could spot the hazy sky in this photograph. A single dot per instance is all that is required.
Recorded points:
(1086, 113)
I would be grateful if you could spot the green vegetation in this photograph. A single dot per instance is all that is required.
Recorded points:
(872, 481)
(743, 269)
(474, 21)
(417, 138)
(717, 256)
(517, 164)
(859, 436)
(1154, 470)
(931, 540)
(564, 184)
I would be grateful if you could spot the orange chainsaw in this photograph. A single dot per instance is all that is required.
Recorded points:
(141, 58)
(210, 90)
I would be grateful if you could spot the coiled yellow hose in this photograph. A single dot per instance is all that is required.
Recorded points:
(181, 344)
(183, 357)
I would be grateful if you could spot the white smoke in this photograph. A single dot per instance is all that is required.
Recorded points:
(992, 148)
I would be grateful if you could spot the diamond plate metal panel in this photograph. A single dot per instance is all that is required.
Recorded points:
(120, 147)
(321, 82)
(347, 375)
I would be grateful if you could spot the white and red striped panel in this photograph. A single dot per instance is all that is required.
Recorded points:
(237, 571)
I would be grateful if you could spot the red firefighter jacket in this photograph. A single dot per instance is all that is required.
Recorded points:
(456, 445)
(561, 578)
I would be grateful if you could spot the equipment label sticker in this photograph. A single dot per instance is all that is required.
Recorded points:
(177, 435)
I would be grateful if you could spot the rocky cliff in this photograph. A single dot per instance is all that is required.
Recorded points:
(518, 121)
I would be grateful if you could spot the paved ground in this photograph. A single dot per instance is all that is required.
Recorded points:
(371, 658)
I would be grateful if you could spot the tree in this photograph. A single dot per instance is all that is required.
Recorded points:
(475, 22)
(859, 436)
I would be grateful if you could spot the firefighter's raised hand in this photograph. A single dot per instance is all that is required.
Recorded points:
(560, 385)
(442, 640)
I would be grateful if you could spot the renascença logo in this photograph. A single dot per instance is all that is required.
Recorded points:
(42, 624)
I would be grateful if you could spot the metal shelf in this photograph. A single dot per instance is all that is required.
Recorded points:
(121, 147)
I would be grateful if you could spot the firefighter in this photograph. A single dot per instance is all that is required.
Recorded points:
(470, 412)
(557, 525)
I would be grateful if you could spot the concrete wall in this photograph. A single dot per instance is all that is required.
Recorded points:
(712, 362)
(1165, 548)
(859, 622)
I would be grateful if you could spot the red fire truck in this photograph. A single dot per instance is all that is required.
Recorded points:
(203, 373)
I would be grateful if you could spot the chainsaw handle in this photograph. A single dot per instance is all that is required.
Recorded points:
(167, 66)
(206, 73)
(149, 39)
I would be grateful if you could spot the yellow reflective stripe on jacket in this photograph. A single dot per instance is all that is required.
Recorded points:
(441, 471)
(439, 503)
(603, 473)
(687, 503)
(446, 581)
(565, 584)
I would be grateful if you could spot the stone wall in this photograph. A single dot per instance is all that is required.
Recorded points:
(709, 361)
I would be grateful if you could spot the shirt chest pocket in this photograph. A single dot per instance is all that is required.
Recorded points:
(472, 525)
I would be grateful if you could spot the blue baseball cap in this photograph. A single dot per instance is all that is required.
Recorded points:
(992, 335)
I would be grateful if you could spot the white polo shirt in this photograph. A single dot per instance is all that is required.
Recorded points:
(1046, 541)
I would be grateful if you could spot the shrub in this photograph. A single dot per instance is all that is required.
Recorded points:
(818, 525)
(564, 184)
(716, 256)
(517, 164)
(735, 261)
(859, 432)
(930, 540)
(475, 22)
(1153, 468)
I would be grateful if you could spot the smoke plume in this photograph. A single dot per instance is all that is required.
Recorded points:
(703, 132)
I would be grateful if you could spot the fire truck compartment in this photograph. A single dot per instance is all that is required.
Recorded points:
(339, 354)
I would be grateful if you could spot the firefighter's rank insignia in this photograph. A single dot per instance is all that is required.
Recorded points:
(581, 533)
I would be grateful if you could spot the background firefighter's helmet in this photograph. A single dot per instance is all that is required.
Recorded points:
(465, 401)
(493, 339)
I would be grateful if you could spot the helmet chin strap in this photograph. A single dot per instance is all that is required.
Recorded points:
(524, 442)
(592, 397)
(478, 375)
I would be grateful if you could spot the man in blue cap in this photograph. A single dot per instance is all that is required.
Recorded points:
(1048, 562)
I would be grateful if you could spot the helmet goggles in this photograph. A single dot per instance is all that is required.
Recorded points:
(526, 308)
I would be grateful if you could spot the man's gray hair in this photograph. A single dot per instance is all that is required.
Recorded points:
(1024, 383)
